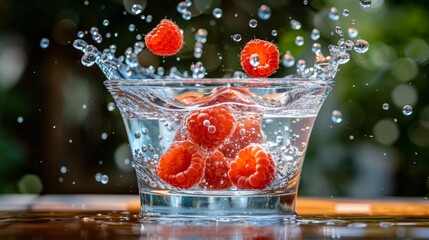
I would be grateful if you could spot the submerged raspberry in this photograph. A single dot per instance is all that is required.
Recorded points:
(165, 39)
(216, 172)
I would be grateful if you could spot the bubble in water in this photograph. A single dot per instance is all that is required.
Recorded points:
(104, 179)
(253, 23)
(88, 59)
(136, 9)
(206, 123)
(186, 15)
(361, 46)
(211, 129)
(385, 106)
(201, 35)
(182, 7)
(288, 59)
(365, 3)
(299, 40)
(333, 14)
(352, 32)
(407, 110)
(217, 13)
(44, 43)
(106, 22)
(357, 225)
(254, 60)
(337, 116)
(264, 12)
(236, 37)
(315, 34)
(346, 12)
(274, 33)
(295, 25)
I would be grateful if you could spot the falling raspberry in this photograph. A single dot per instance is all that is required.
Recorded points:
(210, 127)
(182, 165)
(165, 39)
(260, 58)
(253, 168)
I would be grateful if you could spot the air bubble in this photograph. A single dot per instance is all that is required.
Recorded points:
(337, 116)
(264, 12)
(137, 135)
(211, 129)
(407, 110)
(206, 123)
(253, 23)
(44, 43)
(217, 13)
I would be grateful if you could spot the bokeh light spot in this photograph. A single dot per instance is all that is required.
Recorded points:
(405, 69)
(404, 94)
(386, 132)
(30, 184)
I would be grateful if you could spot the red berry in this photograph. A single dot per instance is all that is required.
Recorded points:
(165, 39)
(253, 168)
(181, 165)
(259, 58)
(210, 127)
(246, 132)
(216, 172)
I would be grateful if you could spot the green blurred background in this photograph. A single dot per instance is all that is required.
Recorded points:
(60, 134)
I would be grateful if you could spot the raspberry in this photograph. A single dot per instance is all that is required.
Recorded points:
(182, 165)
(210, 127)
(247, 131)
(253, 168)
(259, 58)
(165, 39)
(216, 172)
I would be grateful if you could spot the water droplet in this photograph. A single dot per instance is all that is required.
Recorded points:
(182, 7)
(88, 59)
(300, 65)
(217, 13)
(63, 169)
(352, 32)
(316, 48)
(206, 123)
(104, 136)
(201, 35)
(97, 37)
(104, 179)
(106, 22)
(188, 2)
(407, 110)
(253, 23)
(274, 32)
(365, 3)
(98, 177)
(80, 34)
(186, 15)
(337, 116)
(254, 60)
(386, 224)
(288, 59)
(136, 9)
(361, 46)
(238, 75)
(236, 37)
(20, 119)
(315, 34)
(111, 106)
(333, 14)
(137, 135)
(385, 106)
(295, 25)
(357, 225)
(264, 12)
(346, 12)
(242, 132)
(299, 40)
(44, 43)
(131, 27)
